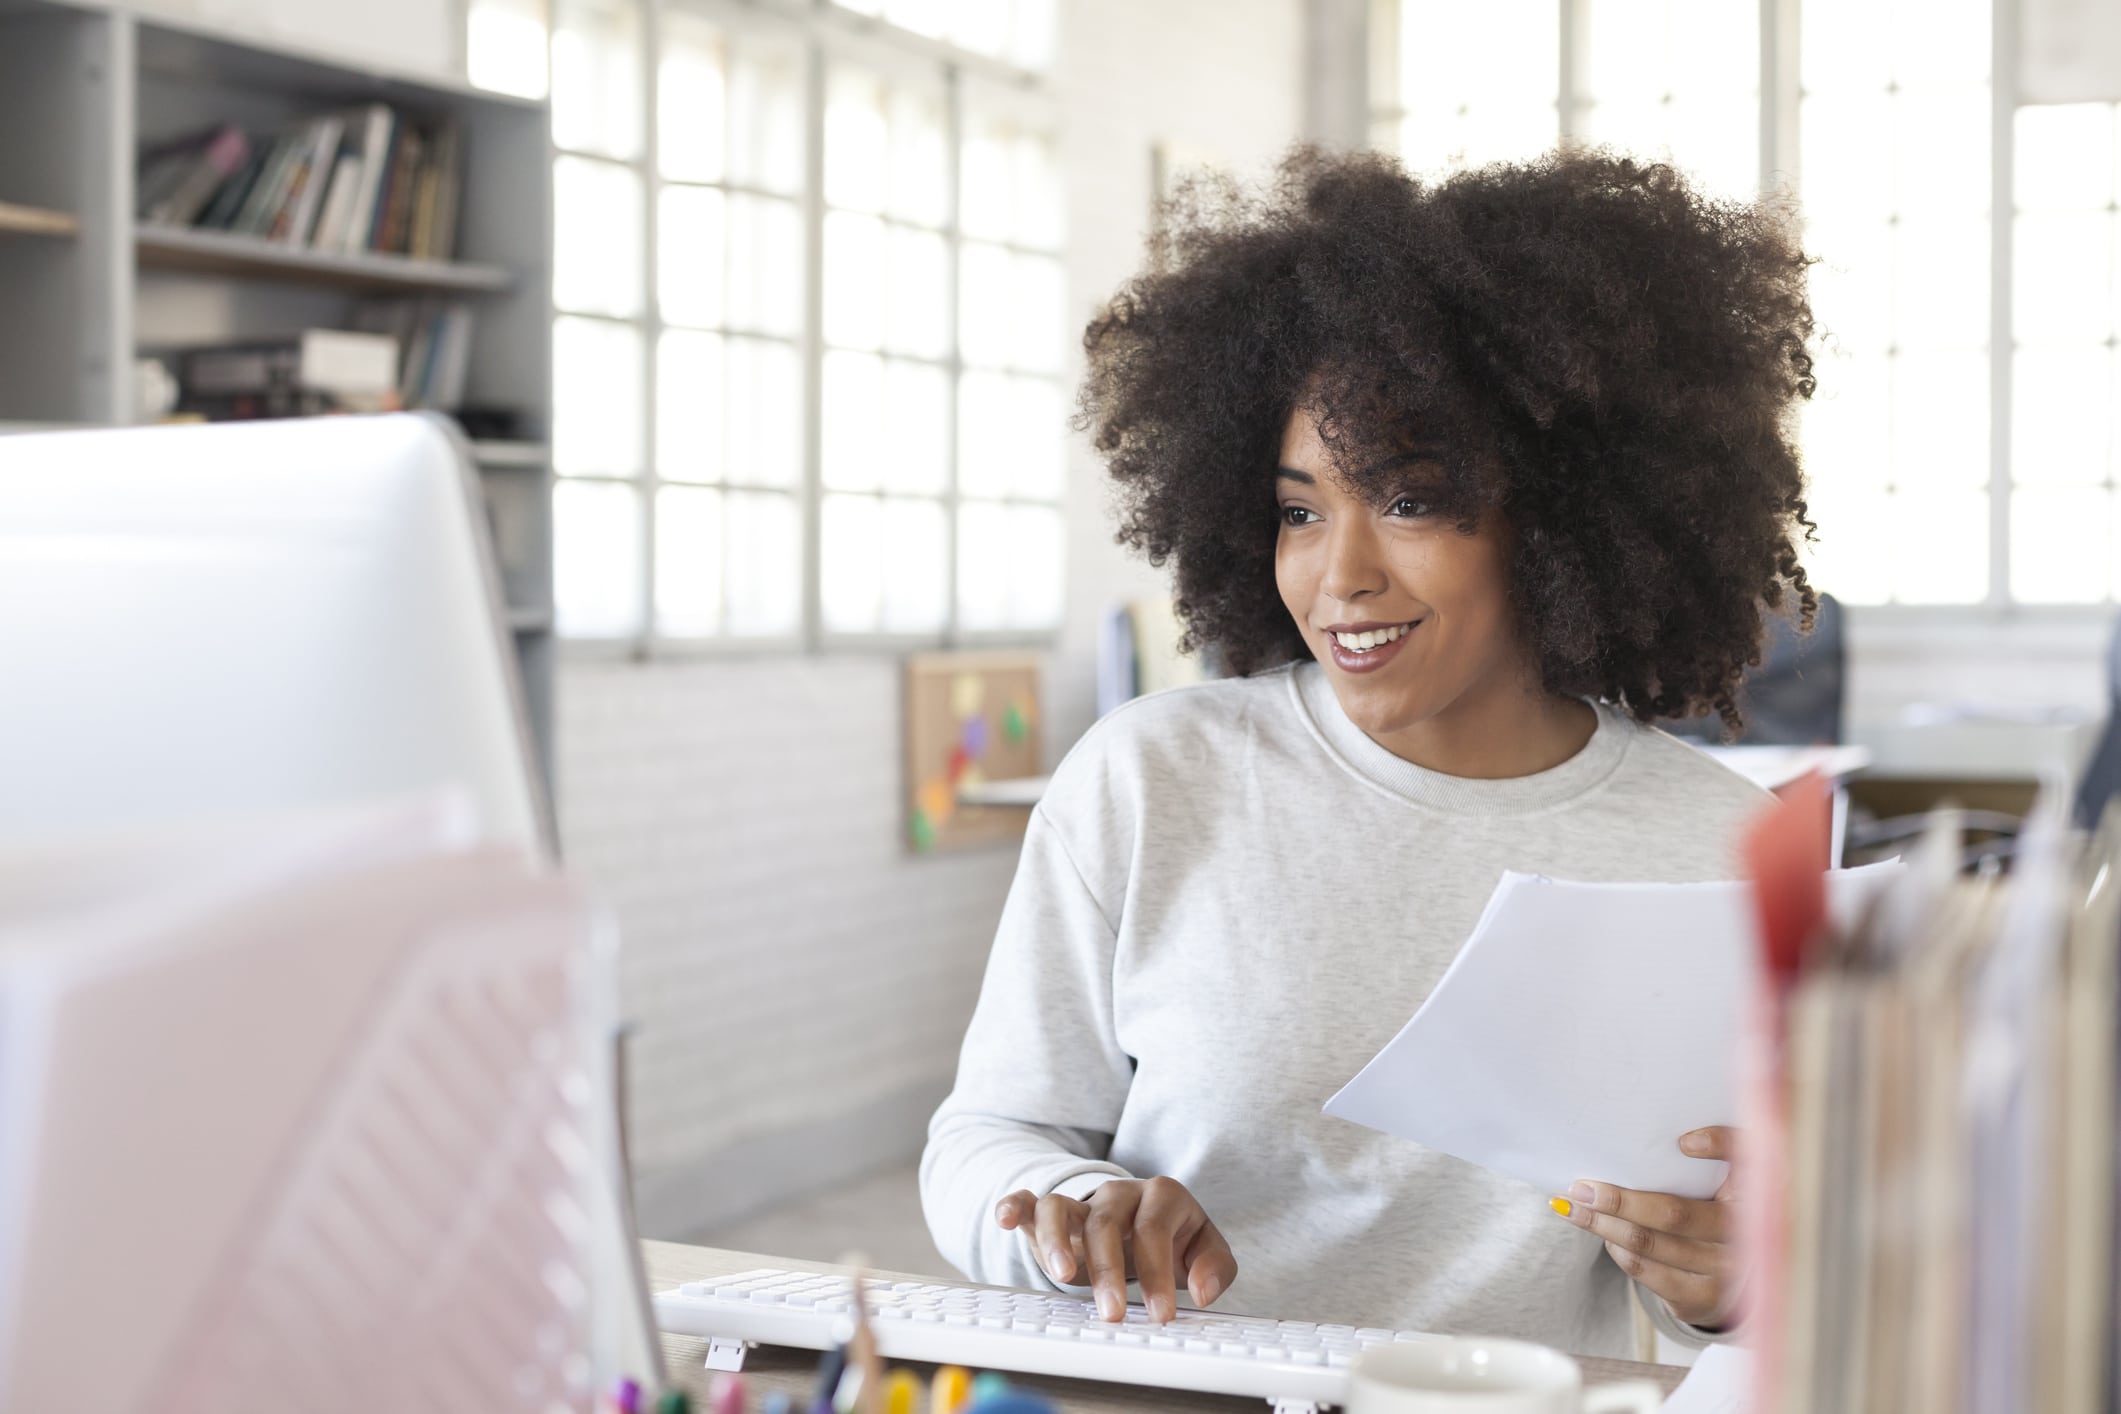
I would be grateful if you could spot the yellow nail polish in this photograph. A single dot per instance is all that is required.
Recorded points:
(1561, 1205)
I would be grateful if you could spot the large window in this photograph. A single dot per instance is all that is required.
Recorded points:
(1883, 119)
(809, 317)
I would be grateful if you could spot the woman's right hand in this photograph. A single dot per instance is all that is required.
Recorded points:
(1155, 1220)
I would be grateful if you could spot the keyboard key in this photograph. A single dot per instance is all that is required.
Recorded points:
(767, 1297)
(1372, 1333)
(929, 1318)
(1340, 1357)
(1270, 1352)
(1126, 1337)
(1234, 1347)
(1161, 1341)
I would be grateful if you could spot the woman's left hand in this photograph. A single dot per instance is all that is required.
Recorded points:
(1681, 1248)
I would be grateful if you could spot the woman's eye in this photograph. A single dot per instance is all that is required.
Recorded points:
(1408, 506)
(1296, 515)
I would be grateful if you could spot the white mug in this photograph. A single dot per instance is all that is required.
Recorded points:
(1464, 1374)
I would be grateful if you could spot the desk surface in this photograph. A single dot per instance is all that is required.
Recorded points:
(793, 1371)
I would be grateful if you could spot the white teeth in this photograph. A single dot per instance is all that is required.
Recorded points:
(1370, 638)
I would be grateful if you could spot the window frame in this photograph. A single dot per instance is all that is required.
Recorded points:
(825, 34)
(1781, 95)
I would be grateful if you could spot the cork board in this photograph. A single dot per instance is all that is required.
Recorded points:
(970, 718)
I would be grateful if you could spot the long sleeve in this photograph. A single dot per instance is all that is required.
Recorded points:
(1042, 1078)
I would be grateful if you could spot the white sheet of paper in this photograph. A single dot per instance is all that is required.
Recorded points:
(1581, 1030)
(1719, 1383)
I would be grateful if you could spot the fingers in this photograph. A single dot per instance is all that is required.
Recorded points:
(1703, 1220)
(1718, 1141)
(1652, 1245)
(1210, 1267)
(1105, 1234)
(1694, 1297)
(1059, 1231)
(1015, 1210)
(1166, 1220)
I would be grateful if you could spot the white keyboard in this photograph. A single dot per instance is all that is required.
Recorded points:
(1297, 1364)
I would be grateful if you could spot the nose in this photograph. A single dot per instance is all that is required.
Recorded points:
(1354, 561)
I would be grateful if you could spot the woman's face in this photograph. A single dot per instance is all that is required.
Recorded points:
(1431, 602)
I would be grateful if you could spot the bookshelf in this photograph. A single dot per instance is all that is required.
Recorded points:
(88, 288)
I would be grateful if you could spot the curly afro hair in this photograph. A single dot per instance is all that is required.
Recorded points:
(1607, 357)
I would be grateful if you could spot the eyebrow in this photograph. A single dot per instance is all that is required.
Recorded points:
(1407, 458)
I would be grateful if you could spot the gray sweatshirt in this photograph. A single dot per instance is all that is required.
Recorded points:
(1228, 900)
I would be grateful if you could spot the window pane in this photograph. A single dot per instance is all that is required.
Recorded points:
(857, 141)
(981, 26)
(982, 566)
(929, 17)
(1012, 437)
(596, 255)
(1851, 558)
(854, 416)
(986, 324)
(1848, 422)
(2061, 411)
(1941, 151)
(916, 443)
(854, 280)
(915, 571)
(690, 256)
(851, 572)
(1844, 140)
(1940, 421)
(1939, 547)
(1941, 284)
(919, 159)
(765, 564)
(689, 385)
(1678, 81)
(1478, 81)
(596, 77)
(2062, 549)
(765, 266)
(1847, 48)
(688, 561)
(596, 559)
(886, 424)
(765, 412)
(766, 114)
(1852, 285)
(1948, 45)
(1035, 567)
(984, 416)
(1041, 438)
(1037, 188)
(2063, 271)
(690, 98)
(597, 391)
(1031, 34)
(2065, 157)
(504, 46)
(985, 200)
(917, 294)
(1035, 313)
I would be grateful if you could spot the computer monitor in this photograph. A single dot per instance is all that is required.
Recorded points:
(215, 619)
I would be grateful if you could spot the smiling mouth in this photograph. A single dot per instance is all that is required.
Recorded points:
(1370, 640)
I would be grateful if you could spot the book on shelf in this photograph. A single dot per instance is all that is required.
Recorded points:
(355, 181)
(435, 337)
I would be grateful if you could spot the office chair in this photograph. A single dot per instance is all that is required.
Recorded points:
(1795, 695)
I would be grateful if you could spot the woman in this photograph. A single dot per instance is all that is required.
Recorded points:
(1467, 482)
